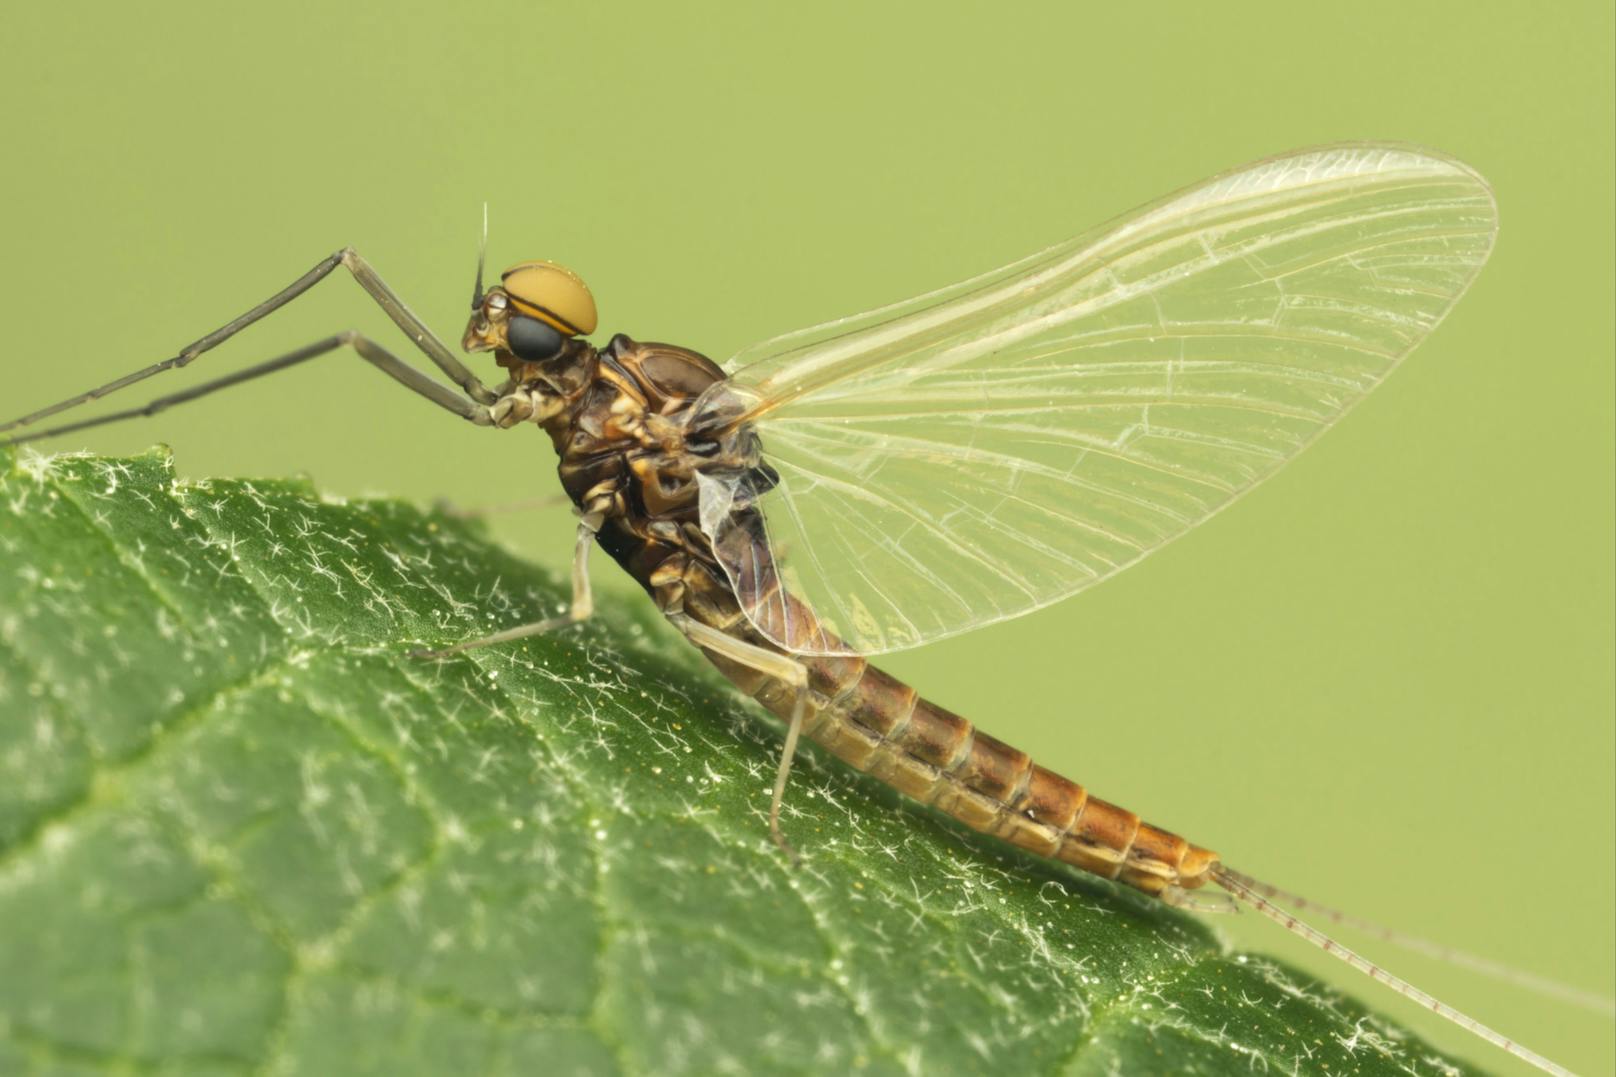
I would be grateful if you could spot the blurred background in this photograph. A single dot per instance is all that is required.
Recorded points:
(1385, 680)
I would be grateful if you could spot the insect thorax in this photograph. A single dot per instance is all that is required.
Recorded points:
(623, 453)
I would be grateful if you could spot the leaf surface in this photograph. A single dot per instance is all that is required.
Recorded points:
(240, 831)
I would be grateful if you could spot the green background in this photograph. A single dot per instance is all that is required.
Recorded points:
(1384, 681)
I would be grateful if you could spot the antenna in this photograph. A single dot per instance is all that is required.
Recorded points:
(482, 255)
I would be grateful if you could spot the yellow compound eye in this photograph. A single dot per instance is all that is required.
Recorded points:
(551, 293)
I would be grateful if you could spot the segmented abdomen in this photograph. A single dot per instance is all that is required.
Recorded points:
(875, 722)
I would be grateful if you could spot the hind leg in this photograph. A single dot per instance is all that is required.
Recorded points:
(773, 664)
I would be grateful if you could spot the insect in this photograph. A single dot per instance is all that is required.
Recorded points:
(960, 458)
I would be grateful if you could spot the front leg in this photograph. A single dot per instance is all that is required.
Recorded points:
(583, 603)
(384, 297)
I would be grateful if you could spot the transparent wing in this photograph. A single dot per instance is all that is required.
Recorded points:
(979, 452)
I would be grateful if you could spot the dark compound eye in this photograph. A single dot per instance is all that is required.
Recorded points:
(532, 340)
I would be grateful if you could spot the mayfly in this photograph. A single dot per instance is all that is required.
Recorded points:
(964, 457)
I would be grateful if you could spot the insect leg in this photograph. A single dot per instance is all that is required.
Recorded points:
(423, 338)
(368, 350)
(378, 290)
(583, 603)
(781, 667)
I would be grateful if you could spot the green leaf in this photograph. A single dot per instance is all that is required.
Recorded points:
(241, 830)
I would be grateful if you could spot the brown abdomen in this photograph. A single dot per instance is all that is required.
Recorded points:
(878, 724)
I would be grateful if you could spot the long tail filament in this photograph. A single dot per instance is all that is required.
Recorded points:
(1251, 892)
